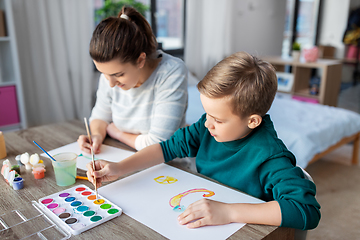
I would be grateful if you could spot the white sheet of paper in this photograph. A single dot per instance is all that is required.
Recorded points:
(147, 201)
(108, 153)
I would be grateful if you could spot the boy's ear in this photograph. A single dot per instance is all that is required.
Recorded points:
(254, 121)
(141, 60)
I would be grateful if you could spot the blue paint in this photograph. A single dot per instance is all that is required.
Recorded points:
(18, 183)
(69, 199)
(179, 208)
(76, 203)
(82, 208)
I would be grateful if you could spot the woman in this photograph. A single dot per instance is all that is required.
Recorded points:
(142, 93)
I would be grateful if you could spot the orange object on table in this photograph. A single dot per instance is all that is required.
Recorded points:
(39, 172)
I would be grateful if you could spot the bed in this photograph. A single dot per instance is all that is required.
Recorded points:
(309, 131)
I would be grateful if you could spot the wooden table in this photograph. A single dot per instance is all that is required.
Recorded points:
(123, 227)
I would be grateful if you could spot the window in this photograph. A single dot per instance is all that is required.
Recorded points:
(301, 24)
(167, 19)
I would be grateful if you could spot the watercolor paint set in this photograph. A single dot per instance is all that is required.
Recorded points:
(76, 209)
(59, 215)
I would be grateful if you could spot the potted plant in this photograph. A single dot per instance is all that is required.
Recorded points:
(296, 51)
(111, 8)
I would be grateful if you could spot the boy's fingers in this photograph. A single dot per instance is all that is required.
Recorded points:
(198, 223)
(90, 176)
(89, 167)
(100, 173)
(189, 216)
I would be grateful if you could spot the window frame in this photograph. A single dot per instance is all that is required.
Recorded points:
(179, 52)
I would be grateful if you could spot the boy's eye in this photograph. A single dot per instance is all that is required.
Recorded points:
(217, 120)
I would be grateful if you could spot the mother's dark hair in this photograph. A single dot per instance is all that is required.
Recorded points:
(122, 38)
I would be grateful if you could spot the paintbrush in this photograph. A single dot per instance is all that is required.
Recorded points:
(92, 152)
(93, 161)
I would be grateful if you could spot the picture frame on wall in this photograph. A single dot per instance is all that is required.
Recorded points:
(285, 81)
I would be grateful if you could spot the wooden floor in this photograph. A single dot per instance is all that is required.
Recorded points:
(338, 192)
(338, 187)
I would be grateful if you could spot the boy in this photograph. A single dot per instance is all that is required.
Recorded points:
(236, 144)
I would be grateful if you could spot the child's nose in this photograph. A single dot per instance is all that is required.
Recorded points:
(208, 124)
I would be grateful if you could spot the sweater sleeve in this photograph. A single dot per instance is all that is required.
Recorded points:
(184, 143)
(102, 109)
(169, 107)
(294, 193)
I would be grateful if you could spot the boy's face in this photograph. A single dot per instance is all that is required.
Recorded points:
(222, 124)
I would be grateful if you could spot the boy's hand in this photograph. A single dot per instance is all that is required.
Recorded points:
(205, 212)
(84, 143)
(105, 171)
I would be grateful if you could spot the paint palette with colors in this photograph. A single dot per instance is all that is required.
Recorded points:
(76, 209)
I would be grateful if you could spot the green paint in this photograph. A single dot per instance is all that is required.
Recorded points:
(105, 206)
(112, 211)
(95, 218)
(89, 213)
(81, 155)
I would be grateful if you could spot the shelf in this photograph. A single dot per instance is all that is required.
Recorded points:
(4, 39)
(301, 63)
(5, 84)
(330, 80)
(10, 128)
(10, 77)
(305, 93)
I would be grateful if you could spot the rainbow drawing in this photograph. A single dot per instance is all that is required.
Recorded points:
(175, 201)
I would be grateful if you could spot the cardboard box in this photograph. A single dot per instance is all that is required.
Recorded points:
(2, 24)
(327, 52)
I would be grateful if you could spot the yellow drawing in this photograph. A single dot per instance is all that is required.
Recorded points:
(175, 201)
(165, 180)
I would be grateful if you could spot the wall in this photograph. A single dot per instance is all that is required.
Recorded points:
(333, 24)
(259, 26)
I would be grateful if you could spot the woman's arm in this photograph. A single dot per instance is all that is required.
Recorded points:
(127, 138)
(169, 106)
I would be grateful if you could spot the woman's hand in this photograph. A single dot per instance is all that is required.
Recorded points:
(205, 212)
(105, 171)
(85, 146)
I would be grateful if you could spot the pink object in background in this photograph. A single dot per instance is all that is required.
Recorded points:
(9, 113)
(311, 54)
(351, 52)
(305, 99)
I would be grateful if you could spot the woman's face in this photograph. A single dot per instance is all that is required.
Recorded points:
(123, 75)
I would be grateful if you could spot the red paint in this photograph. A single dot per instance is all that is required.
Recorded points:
(87, 193)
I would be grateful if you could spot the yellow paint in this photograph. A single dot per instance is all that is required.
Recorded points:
(99, 201)
(165, 180)
(175, 201)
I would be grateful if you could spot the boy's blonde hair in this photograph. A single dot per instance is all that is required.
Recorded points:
(248, 82)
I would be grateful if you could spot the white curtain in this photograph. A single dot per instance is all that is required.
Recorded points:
(56, 69)
(208, 34)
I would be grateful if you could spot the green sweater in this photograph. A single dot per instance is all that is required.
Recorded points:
(258, 164)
